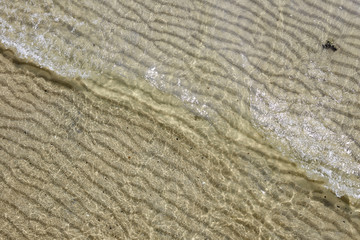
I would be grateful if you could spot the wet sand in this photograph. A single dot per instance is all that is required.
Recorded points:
(125, 157)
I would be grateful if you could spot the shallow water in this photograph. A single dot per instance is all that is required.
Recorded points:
(246, 84)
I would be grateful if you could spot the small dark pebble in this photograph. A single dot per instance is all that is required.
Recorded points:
(328, 45)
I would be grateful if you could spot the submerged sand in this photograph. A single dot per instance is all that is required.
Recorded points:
(124, 140)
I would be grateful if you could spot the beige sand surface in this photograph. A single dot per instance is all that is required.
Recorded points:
(128, 153)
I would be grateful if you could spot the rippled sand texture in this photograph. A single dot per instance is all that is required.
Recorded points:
(179, 120)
